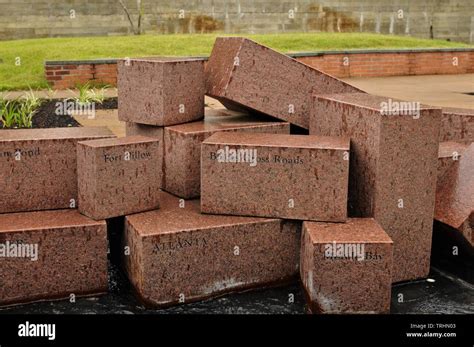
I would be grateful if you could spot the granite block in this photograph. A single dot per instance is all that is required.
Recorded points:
(161, 91)
(448, 155)
(178, 255)
(393, 168)
(346, 267)
(50, 255)
(457, 124)
(455, 196)
(137, 129)
(275, 175)
(183, 147)
(117, 177)
(243, 74)
(38, 167)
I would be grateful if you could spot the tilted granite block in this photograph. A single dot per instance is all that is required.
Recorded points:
(119, 176)
(346, 267)
(275, 175)
(161, 91)
(457, 124)
(183, 147)
(242, 73)
(448, 154)
(38, 167)
(50, 255)
(178, 255)
(136, 129)
(393, 168)
(455, 196)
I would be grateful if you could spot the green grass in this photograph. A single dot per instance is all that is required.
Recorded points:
(34, 52)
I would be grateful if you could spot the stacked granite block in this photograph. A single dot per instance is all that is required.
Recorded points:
(48, 250)
(225, 200)
(257, 181)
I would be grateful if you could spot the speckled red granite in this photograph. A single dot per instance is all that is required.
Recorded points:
(457, 124)
(393, 170)
(183, 147)
(296, 177)
(455, 195)
(241, 73)
(178, 255)
(161, 91)
(71, 257)
(136, 129)
(339, 282)
(119, 176)
(45, 175)
(448, 154)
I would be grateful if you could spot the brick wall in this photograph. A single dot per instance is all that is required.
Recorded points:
(67, 74)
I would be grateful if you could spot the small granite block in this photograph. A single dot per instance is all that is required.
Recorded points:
(183, 147)
(119, 176)
(275, 175)
(448, 155)
(178, 255)
(38, 168)
(457, 124)
(244, 74)
(50, 255)
(161, 91)
(136, 129)
(455, 196)
(393, 168)
(346, 267)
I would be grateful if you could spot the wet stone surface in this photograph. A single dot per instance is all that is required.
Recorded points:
(448, 294)
(452, 291)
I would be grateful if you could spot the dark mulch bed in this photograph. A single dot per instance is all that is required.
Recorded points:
(46, 117)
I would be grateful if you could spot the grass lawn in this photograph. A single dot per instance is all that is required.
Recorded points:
(32, 53)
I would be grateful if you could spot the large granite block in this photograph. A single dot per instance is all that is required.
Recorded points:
(455, 196)
(38, 167)
(275, 175)
(457, 124)
(183, 147)
(119, 176)
(136, 129)
(243, 74)
(51, 255)
(161, 91)
(346, 267)
(178, 255)
(393, 168)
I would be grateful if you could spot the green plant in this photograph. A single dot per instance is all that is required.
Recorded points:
(25, 114)
(8, 114)
(19, 113)
(32, 100)
(88, 95)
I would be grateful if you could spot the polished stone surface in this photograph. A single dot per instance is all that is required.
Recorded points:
(183, 146)
(448, 155)
(455, 195)
(119, 176)
(346, 267)
(284, 176)
(457, 124)
(178, 255)
(63, 253)
(160, 91)
(38, 167)
(137, 129)
(393, 169)
(244, 74)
